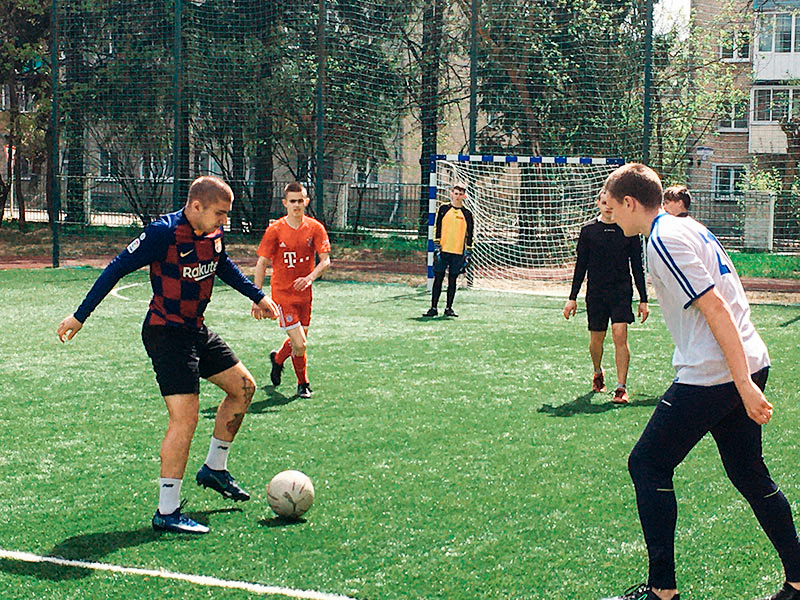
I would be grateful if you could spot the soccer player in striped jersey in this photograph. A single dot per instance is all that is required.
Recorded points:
(292, 244)
(721, 366)
(453, 248)
(185, 251)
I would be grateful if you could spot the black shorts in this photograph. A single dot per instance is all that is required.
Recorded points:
(614, 306)
(182, 356)
(455, 262)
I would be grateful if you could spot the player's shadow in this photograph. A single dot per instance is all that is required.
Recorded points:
(271, 402)
(582, 405)
(281, 521)
(92, 547)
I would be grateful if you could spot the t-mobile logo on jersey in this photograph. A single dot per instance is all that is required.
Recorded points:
(290, 258)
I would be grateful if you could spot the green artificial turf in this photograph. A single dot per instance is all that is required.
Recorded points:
(457, 459)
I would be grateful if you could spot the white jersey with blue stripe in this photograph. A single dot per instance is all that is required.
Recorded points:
(686, 260)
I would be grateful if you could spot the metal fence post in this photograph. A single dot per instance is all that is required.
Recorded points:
(53, 174)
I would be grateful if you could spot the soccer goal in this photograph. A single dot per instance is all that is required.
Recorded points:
(528, 212)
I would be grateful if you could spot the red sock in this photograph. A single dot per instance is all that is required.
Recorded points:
(299, 363)
(284, 353)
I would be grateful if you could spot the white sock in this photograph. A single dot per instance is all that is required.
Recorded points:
(598, 371)
(169, 496)
(620, 386)
(217, 458)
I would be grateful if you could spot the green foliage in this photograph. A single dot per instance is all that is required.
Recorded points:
(762, 179)
(452, 458)
(560, 77)
(760, 264)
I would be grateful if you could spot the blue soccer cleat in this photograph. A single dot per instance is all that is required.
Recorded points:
(177, 523)
(222, 482)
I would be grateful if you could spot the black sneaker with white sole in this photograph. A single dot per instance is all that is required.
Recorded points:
(222, 482)
(304, 390)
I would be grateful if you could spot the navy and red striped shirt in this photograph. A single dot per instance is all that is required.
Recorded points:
(182, 269)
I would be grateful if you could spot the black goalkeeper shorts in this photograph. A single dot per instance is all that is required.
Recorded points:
(182, 356)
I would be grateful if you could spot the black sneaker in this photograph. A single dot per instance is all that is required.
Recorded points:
(432, 312)
(222, 482)
(304, 390)
(177, 523)
(277, 369)
(787, 592)
(640, 592)
(449, 312)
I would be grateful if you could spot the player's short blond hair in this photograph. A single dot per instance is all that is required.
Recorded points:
(209, 189)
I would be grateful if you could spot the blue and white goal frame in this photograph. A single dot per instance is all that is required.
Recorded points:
(433, 187)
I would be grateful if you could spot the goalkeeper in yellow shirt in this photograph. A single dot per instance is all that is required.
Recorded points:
(452, 248)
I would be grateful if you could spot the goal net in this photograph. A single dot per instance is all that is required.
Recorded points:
(528, 212)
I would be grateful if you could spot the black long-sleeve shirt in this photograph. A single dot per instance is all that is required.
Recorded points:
(609, 258)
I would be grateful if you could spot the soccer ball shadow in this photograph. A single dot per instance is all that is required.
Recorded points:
(281, 521)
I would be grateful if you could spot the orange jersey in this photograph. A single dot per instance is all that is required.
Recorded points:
(292, 253)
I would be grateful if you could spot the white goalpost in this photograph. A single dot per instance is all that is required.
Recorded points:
(528, 212)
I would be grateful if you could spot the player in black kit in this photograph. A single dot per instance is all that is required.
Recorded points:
(608, 257)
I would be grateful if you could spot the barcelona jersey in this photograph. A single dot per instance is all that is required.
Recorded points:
(182, 269)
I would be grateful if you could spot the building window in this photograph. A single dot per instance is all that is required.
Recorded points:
(107, 167)
(156, 168)
(208, 165)
(26, 101)
(772, 105)
(734, 117)
(778, 33)
(783, 33)
(766, 32)
(727, 178)
(735, 46)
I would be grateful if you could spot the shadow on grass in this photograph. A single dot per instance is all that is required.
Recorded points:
(790, 321)
(92, 547)
(274, 398)
(582, 405)
(281, 521)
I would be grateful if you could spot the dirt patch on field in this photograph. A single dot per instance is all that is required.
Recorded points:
(33, 250)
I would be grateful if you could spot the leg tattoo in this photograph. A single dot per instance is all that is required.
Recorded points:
(248, 391)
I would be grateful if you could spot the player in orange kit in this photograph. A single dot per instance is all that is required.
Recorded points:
(291, 243)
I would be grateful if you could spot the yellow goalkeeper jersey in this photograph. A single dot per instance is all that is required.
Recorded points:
(454, 227)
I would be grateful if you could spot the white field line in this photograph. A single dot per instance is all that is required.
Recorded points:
(116, 291)
(256, 588)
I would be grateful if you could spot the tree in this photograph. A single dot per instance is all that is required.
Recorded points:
(23, 30)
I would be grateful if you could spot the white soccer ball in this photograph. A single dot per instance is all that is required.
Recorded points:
(290, 493)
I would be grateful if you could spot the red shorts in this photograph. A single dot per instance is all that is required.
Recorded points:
(293, 312)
